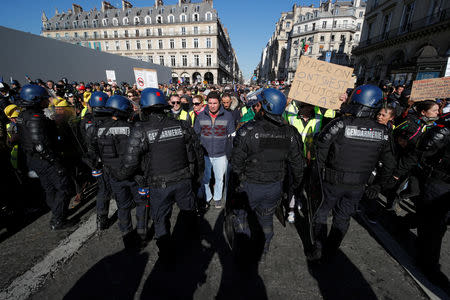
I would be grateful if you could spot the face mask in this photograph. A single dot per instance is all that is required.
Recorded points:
(427, 119)
(185, 106)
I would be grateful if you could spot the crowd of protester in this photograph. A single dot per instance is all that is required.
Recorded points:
(202, 107)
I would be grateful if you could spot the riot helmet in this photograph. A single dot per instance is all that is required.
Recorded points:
(151, 97)
(273, 101)
(364, 101)
(32, 95)
(120, 105)
(98, 102)
(98, 99)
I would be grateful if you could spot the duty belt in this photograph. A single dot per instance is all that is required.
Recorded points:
(164, 180)
(347, 178)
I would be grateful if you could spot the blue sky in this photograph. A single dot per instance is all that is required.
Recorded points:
(250, 23)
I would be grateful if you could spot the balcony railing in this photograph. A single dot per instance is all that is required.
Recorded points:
(193, 66)
(131, 36)
(441, 16)
(343, 27)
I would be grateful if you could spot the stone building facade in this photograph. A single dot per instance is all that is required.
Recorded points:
(187, 37)
(333, 26)
(403, 41)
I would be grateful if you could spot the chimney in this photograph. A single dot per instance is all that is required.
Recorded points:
(69, 11)
(56, 12)
(209, 1)
(126, 5)
(356, 3)
(76, 8)
(159, 3)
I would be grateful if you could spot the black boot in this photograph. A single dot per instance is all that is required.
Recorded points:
(320, 235)
(190, 220)
(131, 241)
(102, 222)
(62, 224)
(332, 244)
(166, 252)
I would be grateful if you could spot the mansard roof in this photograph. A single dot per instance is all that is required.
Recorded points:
(176, 10)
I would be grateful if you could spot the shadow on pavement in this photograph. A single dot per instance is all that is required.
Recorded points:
(240, 278)
(187, 271)
(341, 279)
(114, 277)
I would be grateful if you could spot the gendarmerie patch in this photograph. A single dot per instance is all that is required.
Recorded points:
(365, 134)
(115, 131)
(166, 134)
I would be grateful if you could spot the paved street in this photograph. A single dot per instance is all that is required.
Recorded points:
(204, 269)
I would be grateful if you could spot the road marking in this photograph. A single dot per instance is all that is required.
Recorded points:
(404, 260)
(23, 286)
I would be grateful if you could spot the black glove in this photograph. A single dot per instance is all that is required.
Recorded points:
(372, 191)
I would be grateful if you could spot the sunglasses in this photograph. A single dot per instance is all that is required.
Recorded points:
(176, 102)
(196, 103)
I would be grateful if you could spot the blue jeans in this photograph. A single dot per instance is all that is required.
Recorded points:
(219, 165)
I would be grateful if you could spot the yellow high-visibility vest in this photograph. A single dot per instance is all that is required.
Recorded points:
(14, 151)
(307, 131)
(291, 110)
(83, 112)
(183, 115)
(329, 113)
(192, 115)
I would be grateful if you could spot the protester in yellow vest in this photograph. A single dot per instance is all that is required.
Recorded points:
(308, 123)
(177, 111)
(198, 106)
(12, 112)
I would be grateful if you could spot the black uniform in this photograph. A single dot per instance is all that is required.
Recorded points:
(348, 149)
(38, 140)
(261, 150)
(433, 156)
(168, 153)
(108, 141)
(88, 128)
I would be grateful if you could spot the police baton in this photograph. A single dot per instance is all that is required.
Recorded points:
(144, 193)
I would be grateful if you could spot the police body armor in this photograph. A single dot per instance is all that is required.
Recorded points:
(435, 146)
(168, 159)
(37, 134)
(112, 136)
(349, 149)
(269, 145)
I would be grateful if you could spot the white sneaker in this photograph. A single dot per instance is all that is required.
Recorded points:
(291, 217)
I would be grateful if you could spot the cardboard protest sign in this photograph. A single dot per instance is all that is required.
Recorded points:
(146, 78)
(430, 89)
(110, 76)
(320, 83)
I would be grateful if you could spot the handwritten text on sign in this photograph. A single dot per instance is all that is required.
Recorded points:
(320, 83)
(436, 88)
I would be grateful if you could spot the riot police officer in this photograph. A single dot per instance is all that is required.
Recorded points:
(170, 155)
(348, 149)
(109, 140)
(261, 149)
(38, 139)
(432, 155)
(88, 127)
